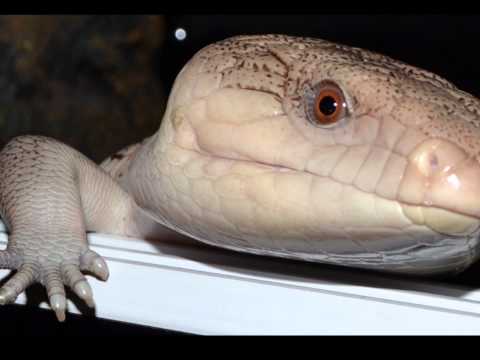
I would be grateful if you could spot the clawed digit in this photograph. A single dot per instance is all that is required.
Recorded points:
(54, 277)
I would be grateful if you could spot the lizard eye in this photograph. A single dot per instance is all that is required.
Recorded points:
(326, 104)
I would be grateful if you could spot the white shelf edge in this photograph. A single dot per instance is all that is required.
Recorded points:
(206, 291)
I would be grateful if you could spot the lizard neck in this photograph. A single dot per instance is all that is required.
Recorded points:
(134, 169)
(128, 167)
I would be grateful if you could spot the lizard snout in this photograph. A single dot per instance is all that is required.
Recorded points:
(441, 188)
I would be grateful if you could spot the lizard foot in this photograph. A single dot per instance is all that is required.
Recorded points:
(53, 275)
(50, 197)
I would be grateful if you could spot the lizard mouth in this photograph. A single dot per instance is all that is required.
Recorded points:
(451, 221)
(445, 221)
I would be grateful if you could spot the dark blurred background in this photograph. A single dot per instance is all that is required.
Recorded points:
(99, 83)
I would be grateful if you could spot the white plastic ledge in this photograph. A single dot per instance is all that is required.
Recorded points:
(208, 291)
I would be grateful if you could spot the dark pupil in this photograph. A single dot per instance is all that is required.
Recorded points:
(327, 105)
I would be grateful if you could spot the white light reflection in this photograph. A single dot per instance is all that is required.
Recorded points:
(180, 34)
(454, 181)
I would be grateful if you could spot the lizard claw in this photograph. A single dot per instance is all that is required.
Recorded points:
(52, 279)
(7, 296)
(24, 277)
(92, 262)
(77, 281)
(84, 291)
(58, 303)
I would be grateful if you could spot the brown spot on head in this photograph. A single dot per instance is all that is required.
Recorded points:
(117, 156)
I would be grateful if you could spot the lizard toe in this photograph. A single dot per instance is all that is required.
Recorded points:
(78, 283)
(24, 277)
(92, 262)
(55, 291)
(58, 303)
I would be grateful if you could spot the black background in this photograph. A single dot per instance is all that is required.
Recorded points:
(444, 44)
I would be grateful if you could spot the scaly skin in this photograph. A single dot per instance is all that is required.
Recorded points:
(237, 163)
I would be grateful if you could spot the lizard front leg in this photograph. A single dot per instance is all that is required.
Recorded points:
(50, 195)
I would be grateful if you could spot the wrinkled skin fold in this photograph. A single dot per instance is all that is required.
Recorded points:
(240, 163)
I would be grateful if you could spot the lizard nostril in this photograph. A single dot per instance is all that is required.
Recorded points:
(428, 163)
(436, 156)
(434, 161)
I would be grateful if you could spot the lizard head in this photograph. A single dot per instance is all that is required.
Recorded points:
(309, 147)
